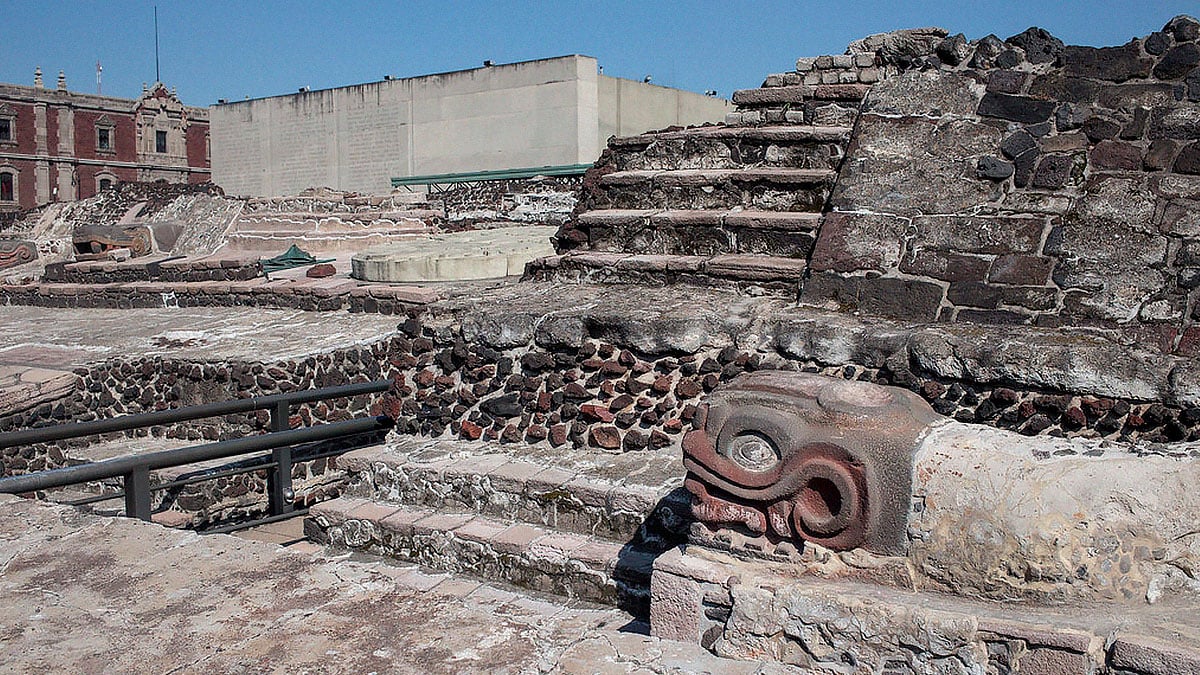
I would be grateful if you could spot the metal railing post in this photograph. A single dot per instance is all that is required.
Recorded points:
(137, 493)
(279, 482)
(280, 412)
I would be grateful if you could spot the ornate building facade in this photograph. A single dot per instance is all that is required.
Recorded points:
(60, 145)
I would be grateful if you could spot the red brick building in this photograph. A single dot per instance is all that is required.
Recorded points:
(59, 145)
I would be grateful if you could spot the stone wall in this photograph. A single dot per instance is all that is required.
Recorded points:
(538, 201)
(1025, 181)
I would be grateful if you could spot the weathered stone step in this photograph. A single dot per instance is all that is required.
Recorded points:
(567, 564)
(796, 147)
(621, 497)
(156, 268)
(758, 188)
(766, 135)
(696, 232)
(332, 293)
(753, 274)
(708, 177)
(799, 93)
(326, 232)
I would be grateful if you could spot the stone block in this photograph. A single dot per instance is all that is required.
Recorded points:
(974, 294)
(996, 235)
(843, 61)
(944, 265)
(932, 93)
(1178, 122)
(1006, 81)
(849, 242)
(1023, 109)
(1021, 270)
(1178, 61)
(1152, 656)
(898, 298)
(1116, 156)
(1115, 64)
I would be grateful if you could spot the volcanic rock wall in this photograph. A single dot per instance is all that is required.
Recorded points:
(1024, 181)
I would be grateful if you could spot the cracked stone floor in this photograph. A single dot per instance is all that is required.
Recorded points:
(90, 594)
(62, 339)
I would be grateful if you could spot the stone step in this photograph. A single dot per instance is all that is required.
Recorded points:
(763, 135)
(791, 146)
(327, 232)
(622, 497)
(799, 93)
(328, 294)
(752, 274)
(572, 565)
(696, 232)
(758, 188)
(156, 268)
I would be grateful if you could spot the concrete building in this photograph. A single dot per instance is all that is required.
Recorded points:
(59, 145)
(549, 112)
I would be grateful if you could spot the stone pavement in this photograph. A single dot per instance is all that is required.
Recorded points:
(92, 594)
(65, 339)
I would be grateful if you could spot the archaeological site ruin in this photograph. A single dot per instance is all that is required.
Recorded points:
(896, 369)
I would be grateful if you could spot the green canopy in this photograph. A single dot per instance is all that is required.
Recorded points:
(293, 257)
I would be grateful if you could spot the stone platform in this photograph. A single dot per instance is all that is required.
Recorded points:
(476, 254)
(88, 594)
(50, 337)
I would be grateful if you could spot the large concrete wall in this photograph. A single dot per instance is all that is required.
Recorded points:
(628, 107)
(536, 113)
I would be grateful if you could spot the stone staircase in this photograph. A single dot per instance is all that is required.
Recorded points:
(585, 526)
(327, 222)
(735, 205)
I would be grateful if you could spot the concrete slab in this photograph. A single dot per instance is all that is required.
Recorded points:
(68, 338)
(91, 594)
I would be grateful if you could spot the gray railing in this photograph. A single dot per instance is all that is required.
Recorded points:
(135, 470)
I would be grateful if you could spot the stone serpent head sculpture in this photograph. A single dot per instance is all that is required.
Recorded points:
(803, 457)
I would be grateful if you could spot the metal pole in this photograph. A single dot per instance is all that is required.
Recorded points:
(279, 482)
(137, 493)
(120, 466)
(126, 422)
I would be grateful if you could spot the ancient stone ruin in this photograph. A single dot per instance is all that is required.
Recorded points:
(895, 371)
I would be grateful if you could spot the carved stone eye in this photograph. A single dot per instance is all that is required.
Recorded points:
(753, 452)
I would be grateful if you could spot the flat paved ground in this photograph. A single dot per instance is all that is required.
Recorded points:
(89, 594)
(65, 338)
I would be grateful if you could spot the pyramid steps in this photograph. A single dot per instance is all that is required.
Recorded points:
(585, 526)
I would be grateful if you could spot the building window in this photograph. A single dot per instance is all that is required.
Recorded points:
(160, 141)
(105, 183)
(6, 130)
(8, 187)
(104, 138)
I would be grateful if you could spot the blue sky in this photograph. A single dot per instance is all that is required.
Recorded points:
(214, 49)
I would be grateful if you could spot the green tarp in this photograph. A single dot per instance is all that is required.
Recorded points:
(293, 257)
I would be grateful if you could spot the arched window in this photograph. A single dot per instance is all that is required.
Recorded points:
(105, 183)
(8, 187)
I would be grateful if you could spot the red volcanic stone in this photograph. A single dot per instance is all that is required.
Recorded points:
(662, 385)
(511, 434)
(688, 388)
(321, 271)
(620, 403)
(576, 391)
(535, 433)
(673, 425)
(605, 437)
(543, 401)
(471, 431)
(1075, 417)
(424, 378)
(613, 369)
(558, 434)
(595, 413)
(592, 363)
(659, 440)
(626, 358)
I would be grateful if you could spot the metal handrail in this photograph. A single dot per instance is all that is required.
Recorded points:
(127, 422)
(135, 469)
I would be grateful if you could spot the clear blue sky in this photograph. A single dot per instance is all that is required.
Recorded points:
(214, 49)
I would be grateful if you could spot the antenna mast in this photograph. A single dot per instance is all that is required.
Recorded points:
(157, 75)
(99, 70)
